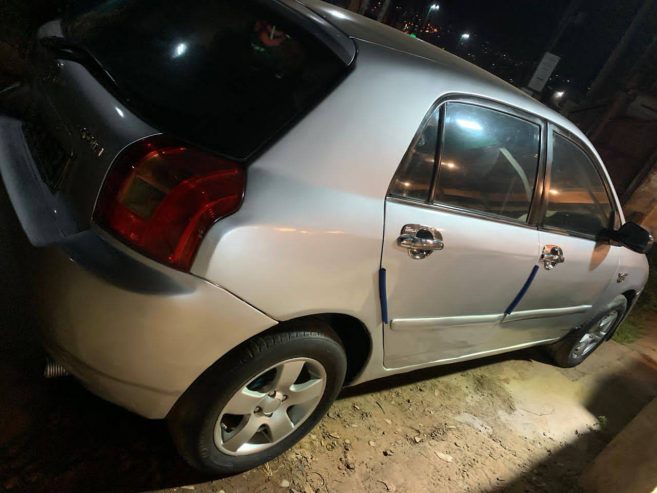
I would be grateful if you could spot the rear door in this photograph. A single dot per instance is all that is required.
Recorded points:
(459, 245)
(577, 265)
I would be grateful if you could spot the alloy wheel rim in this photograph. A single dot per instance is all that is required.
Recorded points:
(270, 406)
(595, 335)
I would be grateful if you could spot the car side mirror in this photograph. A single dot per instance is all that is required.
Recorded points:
(632, 236)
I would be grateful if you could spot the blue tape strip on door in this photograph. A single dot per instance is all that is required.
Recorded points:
(383, 296)
(522, 291)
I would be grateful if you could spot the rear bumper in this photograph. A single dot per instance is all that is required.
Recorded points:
(148, 402)
(133, 332)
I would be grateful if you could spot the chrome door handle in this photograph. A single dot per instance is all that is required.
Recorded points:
(551, 256)
(420, 240)
(410, 241)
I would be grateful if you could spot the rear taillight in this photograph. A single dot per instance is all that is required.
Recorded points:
(161, 198)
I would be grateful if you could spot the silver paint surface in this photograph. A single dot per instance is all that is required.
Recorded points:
(311, 236)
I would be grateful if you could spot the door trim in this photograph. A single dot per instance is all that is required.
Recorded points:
(546, 313)
(434, 323)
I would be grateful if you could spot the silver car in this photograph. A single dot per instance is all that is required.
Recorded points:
(246, 206)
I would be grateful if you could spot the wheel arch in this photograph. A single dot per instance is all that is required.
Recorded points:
(631, 296)
(352, 332)
(356, 340)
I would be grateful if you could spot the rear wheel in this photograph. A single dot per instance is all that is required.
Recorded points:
(260, 399)
(581, 343)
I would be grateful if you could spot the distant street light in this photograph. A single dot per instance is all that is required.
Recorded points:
(559, 94)
(465, 37)
(432, 8)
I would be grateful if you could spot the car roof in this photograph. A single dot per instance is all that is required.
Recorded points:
(365, 29)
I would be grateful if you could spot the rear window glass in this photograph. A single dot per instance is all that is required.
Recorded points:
(224, 74)
(489, 161)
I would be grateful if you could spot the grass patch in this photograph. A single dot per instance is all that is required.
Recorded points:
(629, 331)
(633, 327)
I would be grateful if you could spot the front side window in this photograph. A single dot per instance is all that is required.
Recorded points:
(489, 161)
(577, 201)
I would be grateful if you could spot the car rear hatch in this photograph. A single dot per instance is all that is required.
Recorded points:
(72, 132)
(226, 76)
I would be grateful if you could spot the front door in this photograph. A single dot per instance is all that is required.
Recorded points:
(458, 246)
(578, 208)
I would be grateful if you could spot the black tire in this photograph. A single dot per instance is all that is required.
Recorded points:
(192, 420)
(564, 353)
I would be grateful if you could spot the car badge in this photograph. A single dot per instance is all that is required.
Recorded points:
(94, 144)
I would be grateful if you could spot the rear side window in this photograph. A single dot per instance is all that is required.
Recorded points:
(578, 201)
(224, 74)
(488, 162)
(413, 178)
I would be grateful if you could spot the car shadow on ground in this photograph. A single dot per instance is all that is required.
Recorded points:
(57, 437)
(615, 400)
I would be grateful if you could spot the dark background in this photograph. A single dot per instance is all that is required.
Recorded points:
(509, 37)
(54, 436)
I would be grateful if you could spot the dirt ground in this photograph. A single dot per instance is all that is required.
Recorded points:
(510, 423)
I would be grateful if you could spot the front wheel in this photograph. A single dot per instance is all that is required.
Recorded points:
(581, 343)
(260, 399)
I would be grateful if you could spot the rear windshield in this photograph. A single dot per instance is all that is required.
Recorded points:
(224, 74)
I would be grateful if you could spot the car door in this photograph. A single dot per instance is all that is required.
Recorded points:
(458, 243)
(578, 206)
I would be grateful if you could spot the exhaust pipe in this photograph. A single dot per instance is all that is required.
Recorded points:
(54, 369)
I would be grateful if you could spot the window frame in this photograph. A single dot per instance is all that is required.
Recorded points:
(615, 219)
(533, 214)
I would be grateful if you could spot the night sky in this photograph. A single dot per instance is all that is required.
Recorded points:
(514, 25)
(517, 32)
(510, 23)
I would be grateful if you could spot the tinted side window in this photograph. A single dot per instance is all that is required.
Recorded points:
(578, 201)
(413, 178)
(489, 161)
